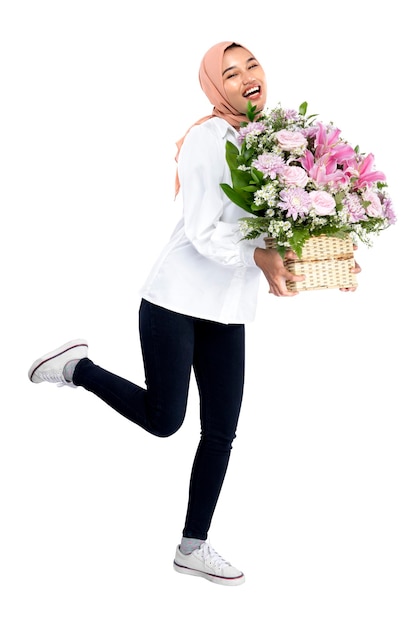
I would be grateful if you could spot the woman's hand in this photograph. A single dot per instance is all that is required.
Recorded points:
(272, 265)
(354, 270)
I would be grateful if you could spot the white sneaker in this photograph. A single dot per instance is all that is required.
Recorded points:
(205, 562)
(50, 367)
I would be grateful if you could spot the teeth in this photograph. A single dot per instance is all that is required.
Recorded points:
(251, 91)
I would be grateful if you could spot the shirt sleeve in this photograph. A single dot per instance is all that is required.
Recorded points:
(201, 168)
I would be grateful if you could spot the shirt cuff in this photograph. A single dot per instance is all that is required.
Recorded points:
(247, 251)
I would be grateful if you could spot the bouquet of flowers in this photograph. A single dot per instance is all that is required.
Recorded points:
(298, 178)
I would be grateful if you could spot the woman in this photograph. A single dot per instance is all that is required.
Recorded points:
(195, 303)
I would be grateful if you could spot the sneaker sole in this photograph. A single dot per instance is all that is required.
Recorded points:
(76, 343)
(219, 580)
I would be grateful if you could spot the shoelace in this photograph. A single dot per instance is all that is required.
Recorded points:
(209, 554)
(54, 376)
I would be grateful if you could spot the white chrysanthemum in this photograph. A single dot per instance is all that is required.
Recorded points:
(244, 228)
(266, 194)
(343, 215)
(318, 221)
(281, 231)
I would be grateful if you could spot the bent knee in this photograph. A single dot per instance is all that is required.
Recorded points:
(164, 427)
(165, 432)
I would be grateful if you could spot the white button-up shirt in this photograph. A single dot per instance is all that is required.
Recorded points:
(206, 270)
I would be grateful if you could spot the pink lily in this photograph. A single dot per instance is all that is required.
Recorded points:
(324, 170)
(366, 174)
(330, 142)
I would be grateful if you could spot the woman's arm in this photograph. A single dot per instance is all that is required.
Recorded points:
(201, 168)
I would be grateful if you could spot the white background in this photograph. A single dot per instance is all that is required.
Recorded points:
(319, 504)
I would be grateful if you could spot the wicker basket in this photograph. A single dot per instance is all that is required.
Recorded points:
(326, 263)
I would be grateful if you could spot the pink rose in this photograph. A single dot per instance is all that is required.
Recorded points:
(290, 140)
(375, 208)
(294, 175)
(322, 203)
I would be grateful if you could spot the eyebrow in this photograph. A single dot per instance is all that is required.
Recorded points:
(232, 67)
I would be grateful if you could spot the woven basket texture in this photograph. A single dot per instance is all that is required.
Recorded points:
(326, 263)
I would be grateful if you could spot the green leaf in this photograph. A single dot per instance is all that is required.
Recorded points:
(281, 250)
(257, 176)
(250, 112)
(235, 197)
(303, 108)
(255, 208)
(298, 240)
(250, 188)
(251, 235)
(247, 154)
(232, 154)
(231, 148)
(240, 179)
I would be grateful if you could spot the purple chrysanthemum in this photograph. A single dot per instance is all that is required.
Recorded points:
(354, 208)
(388, 211)
(291, 114)
(269, 164)
(295, 201)
(253, 128)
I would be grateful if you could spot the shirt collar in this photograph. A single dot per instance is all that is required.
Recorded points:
(227, 128)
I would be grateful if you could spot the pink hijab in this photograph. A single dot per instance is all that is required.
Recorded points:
(211, 81)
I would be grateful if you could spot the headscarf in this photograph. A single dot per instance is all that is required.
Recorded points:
(211, 81)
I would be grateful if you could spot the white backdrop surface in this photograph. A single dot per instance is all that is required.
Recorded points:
(318, 507)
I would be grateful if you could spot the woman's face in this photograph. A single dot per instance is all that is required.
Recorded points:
(243, 79)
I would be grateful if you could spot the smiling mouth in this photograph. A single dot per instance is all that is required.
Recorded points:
(252, 91)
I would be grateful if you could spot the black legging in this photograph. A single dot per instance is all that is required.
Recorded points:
(172, 344)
